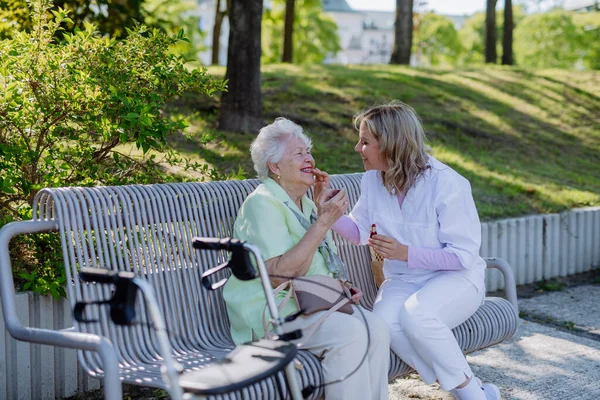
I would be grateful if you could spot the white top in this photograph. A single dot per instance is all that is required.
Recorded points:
(438, 212)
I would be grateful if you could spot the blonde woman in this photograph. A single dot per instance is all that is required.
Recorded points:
(429, 233)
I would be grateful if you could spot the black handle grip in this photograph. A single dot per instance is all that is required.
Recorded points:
(239, 263)
(206, 281)
(102, 275)
(122, 303)
(209, 243)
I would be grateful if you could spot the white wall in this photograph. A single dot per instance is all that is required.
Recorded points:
(543, 246)
(378, 46)
(32, 371)
(350, 30)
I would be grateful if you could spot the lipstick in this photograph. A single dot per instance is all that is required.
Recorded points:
(373, 231)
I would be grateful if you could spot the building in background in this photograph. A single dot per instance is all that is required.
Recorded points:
(366, 37)
(582, 5)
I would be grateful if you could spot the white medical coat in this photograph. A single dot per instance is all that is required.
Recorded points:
(437, 212)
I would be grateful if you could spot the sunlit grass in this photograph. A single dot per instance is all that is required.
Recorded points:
(534, 192)
(529, 141)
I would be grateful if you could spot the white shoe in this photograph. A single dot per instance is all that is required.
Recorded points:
(491, 391)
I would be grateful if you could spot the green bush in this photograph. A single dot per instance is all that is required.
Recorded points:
(86, 110)
(14, 16)
(589, 25)
(436, 38)
(111, 17)
(37, 260)
(548, 40)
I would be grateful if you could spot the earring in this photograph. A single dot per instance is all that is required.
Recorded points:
(278, 177)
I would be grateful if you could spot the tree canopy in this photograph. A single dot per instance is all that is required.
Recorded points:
(548, 40)
(589, 28)
(315, 34)
(437, 39)
(172, 16)
(111, 17)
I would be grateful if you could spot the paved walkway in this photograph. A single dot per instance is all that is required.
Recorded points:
(555, 354)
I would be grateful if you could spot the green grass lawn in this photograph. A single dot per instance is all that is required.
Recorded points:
(529, 141)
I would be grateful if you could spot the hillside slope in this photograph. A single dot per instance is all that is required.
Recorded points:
(529, 141)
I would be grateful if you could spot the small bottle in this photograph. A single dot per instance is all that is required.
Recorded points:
(373, 230)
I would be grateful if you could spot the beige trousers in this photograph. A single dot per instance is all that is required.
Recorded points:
(342, 341)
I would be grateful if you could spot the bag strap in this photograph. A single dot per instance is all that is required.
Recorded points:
(284, 301)
(313, 328)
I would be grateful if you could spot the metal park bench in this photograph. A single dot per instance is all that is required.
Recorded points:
(148, 229)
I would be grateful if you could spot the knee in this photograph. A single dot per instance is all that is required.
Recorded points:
(352, 333)
(387, 315)
(379, 330)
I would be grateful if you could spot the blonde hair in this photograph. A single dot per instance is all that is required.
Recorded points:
(402, 142)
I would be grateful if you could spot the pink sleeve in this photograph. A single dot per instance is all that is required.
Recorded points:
(347, 229)
(434, 259)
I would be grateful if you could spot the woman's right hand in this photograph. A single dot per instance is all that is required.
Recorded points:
(388, 247)
(322, 182)
(331, 206)
(356, 294)
(297, 260)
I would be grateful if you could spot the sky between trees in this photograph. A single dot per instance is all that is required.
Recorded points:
(455, 7)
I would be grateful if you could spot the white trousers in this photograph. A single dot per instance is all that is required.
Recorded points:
(421, 317)
(341, 341)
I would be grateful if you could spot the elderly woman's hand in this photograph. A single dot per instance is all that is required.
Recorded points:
(389, 247)
(356, 294)
(331, 205)
(321, 182)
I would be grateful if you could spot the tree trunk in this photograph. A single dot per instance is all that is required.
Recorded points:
(216, 39)
(288, 32)
(241, 104)
(403, 32)
(490, 32)
(507, 36)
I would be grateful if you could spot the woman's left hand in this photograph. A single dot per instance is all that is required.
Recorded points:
(389, 247)
(356, 294)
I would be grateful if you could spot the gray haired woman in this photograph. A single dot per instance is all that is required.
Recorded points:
(294, 237)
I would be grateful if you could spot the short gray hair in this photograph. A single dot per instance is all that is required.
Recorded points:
(269, 144)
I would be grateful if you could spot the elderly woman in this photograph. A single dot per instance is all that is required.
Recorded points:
(429, 233)
(294, 237)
